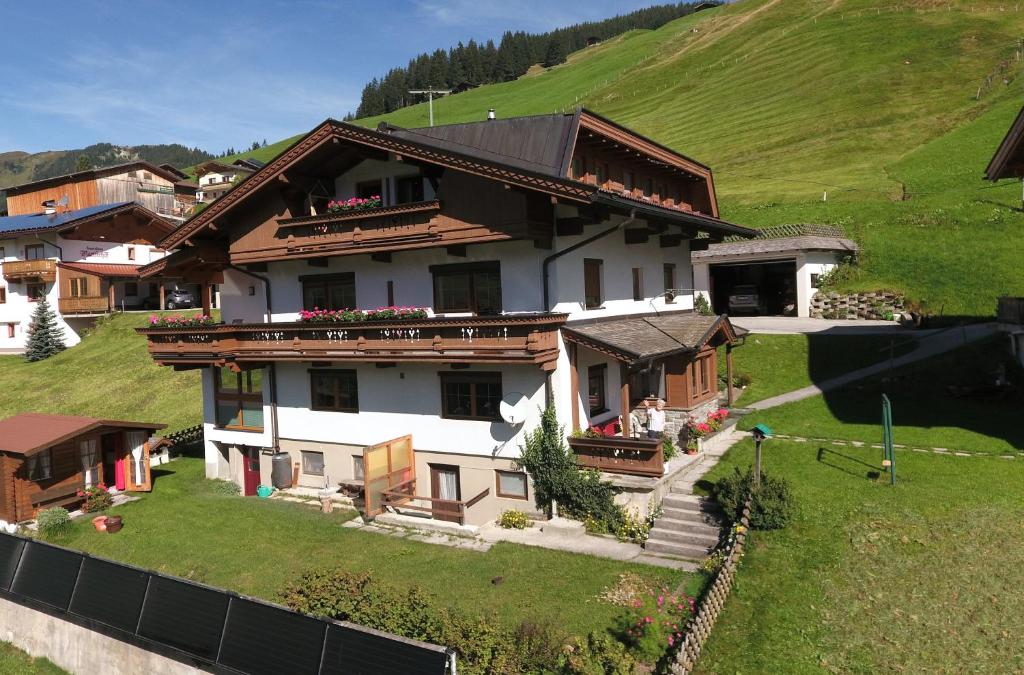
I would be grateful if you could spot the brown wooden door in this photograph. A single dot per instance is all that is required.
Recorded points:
(445, 484)
(250, 471)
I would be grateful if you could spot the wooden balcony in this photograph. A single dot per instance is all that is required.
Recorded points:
(43, 270)
(510, 339)
(619, 454)
(1010, 311)
(84, 305)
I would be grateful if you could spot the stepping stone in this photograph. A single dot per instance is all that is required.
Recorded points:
(963, 454)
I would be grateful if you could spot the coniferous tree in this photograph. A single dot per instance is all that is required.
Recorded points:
(45, 337)
(83, 164)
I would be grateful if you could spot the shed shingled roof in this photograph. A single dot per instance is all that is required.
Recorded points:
(638, 339)
(28, 433)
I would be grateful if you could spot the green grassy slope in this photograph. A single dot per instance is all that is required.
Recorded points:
(109, 375)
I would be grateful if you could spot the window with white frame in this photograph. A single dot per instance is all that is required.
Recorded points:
(312, 463)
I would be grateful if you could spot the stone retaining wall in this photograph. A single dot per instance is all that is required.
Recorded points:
(880, 305)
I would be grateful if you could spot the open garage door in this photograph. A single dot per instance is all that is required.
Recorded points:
(773, 281)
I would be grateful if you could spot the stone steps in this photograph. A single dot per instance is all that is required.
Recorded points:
(677, 549)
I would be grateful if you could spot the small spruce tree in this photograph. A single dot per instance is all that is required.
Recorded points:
(45, 337)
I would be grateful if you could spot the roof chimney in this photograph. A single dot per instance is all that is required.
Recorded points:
(490, 114)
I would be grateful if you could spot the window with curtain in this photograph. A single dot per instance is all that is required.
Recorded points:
(40, 465)
(239, 399)
(34, 252)
(471, 396)
(329, 291)
(511, 484)
(312, 463)
(89, 455)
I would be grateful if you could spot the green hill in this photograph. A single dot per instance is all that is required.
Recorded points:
(109, 375)
(868, 103)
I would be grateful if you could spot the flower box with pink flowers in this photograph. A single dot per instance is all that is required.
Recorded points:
(354, 204)
(358, 315)
(180, 321)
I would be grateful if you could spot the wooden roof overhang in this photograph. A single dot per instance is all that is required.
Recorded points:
(125, 224)
(524, 339)
(30, 433)
(1008, 162)
(102, 270)
(203, 262)
(332, 132)
(639, 340)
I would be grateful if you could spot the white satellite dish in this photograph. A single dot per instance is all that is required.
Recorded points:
(513, 407)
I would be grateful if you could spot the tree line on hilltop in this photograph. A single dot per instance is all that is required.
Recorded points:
(472, 64)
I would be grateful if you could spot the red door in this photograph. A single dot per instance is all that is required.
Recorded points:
(250, 470)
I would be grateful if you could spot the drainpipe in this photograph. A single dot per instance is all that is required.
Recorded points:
(272, 368)
(578, 245)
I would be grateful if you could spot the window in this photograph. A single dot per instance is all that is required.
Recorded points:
(239, 399)
(131, 253)
(334, 390)
(368, 189)
(312, 463)
(511, 484)
(468, 287)
(35, 291)
(701, 376)
(147, 175)
(630, 181)
(669, 271)
(471, 396)
(408, 189)
(648, 187)
(815, 282)
(39, 465)
(131, 289)
(329, 291)
(592, 283)
(133, 174)
(34, 252)
(357, 468)
(79, 287)
(10, 329)
(638, 283)
(596, 376)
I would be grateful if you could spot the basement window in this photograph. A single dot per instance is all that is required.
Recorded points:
(312, 463)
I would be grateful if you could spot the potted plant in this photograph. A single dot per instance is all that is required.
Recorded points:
(113, 524)
(95, 498)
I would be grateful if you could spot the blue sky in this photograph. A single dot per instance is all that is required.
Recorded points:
(222, 73)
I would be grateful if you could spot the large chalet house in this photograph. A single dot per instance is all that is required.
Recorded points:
(518, 263)
(84, 261)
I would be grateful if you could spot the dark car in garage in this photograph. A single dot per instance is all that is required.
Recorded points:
(746, 299)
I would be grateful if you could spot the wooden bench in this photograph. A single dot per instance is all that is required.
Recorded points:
(59, 495)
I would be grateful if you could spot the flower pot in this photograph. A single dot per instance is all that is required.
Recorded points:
(264, 491)
(100, 523)
(114, 524)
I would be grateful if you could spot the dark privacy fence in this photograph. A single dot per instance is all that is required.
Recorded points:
(207, 626)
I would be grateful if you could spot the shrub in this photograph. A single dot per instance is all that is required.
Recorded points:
(743, 380)
(713, 562)
(668, 447)
(513, 520)
(599, 654)
(224, 487)
(97, 498)
(701, 305)
(636, 529)
(655, 623)
(53, 523)
(771, 504)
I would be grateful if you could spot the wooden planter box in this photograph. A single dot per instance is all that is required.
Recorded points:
(618, 454)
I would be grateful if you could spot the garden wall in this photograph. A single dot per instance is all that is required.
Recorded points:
(880, 305)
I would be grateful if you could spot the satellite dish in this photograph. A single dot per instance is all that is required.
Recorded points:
(513, 407)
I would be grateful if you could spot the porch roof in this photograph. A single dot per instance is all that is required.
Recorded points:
(29, 433)
(772, 246)
(102, 269)
(636, 339)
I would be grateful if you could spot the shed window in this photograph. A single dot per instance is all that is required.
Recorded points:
(329, 291)
(596, 392)
(511, 484)
(312, 463)
(334, 390)
(592, 282)
(471, 396)
(39, 465)
(88, 454)
(239, 399)
(468, 287)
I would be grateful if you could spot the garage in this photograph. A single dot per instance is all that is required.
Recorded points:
(778, 271)
(773, 281)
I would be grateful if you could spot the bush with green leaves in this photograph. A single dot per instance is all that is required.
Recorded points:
(54, 523)
(224, 487)
(513, 520)
(701, 305)
(771, 505)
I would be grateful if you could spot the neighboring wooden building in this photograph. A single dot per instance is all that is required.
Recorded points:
(146, 184)
(45, 460)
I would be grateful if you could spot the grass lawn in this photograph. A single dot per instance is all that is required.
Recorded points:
(924, 412)
(108, 375)
(920, 577)
(256, 547)
(780, 363)
(13, 661)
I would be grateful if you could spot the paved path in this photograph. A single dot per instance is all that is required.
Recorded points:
(791, 325)
(932, 344)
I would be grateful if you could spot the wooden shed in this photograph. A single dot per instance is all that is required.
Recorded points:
(46, 459)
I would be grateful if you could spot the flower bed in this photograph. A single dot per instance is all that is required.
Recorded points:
(180, 321)
(697, 430)
(353, 204)
(96, 498)
(357, 315)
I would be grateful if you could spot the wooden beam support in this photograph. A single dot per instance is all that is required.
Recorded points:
(381, 257)
(316, 262)
(207, 299)
(699, 244)
(625, 406)
(574, 384)
(163, 296)
(566, 227)
(636, 235)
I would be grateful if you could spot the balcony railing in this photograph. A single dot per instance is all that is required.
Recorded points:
(618, 454)
(1011, 310)
(30, 270)
(524, 339)
(84, 305)
(404, 494)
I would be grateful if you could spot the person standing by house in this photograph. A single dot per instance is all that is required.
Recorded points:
(655, 418)
(636, 427)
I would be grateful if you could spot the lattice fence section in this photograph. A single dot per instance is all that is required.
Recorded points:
(881, 305)
(795, 230)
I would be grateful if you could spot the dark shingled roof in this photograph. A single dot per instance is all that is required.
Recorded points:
(1008, 162)
(637, 339)
(538, 143)
(770, 246)
(28, 433)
